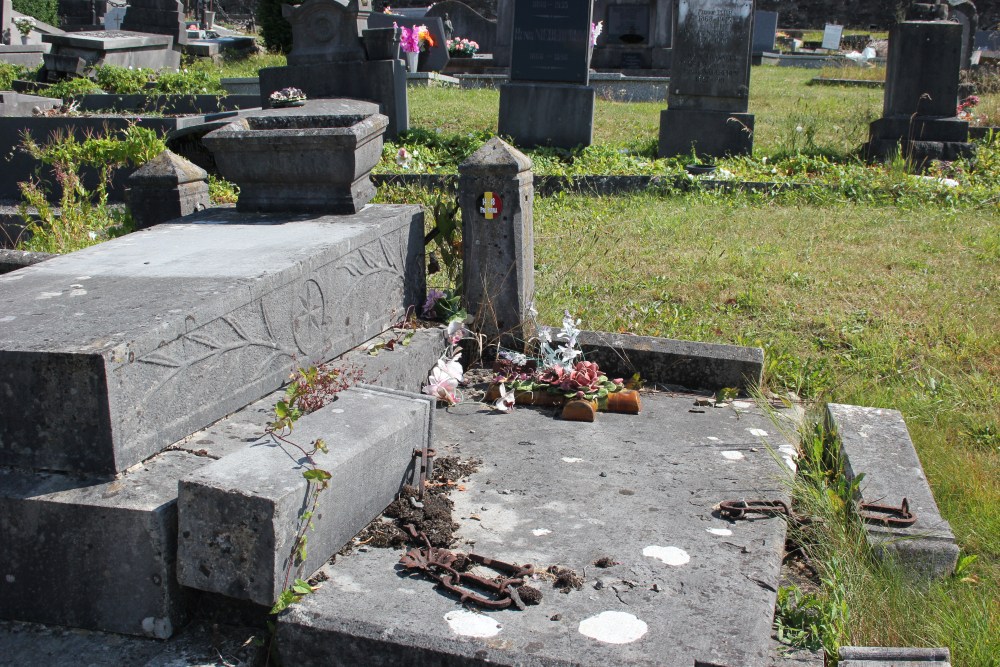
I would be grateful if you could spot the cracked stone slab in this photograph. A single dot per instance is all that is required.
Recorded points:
(110, 354)
(689, 586)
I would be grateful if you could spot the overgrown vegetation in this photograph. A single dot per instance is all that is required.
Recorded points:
(84, 216)
(46, 11)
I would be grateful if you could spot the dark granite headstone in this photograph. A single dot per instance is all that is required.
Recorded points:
(323, 31)
(712, 55)
(987, 40)
(551, 41)
(437, 55)
(765, 29)
(628, 24)
(467, 23)
(710, 81)
(159, 17)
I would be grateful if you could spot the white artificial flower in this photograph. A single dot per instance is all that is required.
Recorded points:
(506, 401)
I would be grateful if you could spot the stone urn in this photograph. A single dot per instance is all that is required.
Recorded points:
(313, 158)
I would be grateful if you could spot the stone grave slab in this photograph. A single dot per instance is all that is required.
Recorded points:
(875, 442)
(638, 489)
(110, 47)
(92, 554)
(239, 516)
(111, 353)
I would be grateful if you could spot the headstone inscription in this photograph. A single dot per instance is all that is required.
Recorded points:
(628, 24)
(831, 36)
(765, 30)
(710, 80)
(548, 101)
(551, 41)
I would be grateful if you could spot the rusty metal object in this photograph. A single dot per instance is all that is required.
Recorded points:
(887, 515)
(439, 564)
(426, 457)
(738, 509)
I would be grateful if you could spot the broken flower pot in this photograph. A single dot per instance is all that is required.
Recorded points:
(313, 158)
(626, 401)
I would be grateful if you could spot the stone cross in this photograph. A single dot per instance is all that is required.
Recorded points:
(496, 194)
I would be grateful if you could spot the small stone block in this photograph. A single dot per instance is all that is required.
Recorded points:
(239, 516)
(875, 442)
(94, 554)
(675, 362)
(560, 115)
(713, 134)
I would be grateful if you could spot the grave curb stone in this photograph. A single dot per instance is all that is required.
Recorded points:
(712, 133)
(688, 364)
(875, 441)
(551, 114)
(239, 515)
(94, 553)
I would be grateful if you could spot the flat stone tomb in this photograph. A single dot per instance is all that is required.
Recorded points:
(640, 489)
(109, 354)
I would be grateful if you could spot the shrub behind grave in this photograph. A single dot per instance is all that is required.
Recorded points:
(274, 29)
(46, 11)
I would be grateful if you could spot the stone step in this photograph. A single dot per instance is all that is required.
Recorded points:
(239, 516)
(90, 553)
(110, 354)
(96, 555)
(688, 587)
(875, 441)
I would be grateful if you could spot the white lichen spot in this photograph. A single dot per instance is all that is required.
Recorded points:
(732, 456)
(161, 628)
(571, 459)
(742, 405)
(613, 627)
(466, 623)
(670, 555)
(721, 532)
(789, 455)
(713, 439)
(48, 295)
(336, 411)
(538, 532)
(77, 292)
(759, 432)
(8, 318)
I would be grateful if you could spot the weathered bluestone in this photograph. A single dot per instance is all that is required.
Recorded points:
(874, 441)
(239, 517)
(109, 354)
(498, 247)
(94, 554)
(675, 362)
(166, 188)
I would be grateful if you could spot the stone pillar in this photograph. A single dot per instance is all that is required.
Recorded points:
(165, 188)
(496, 193)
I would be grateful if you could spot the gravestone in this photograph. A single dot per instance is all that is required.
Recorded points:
(158, 17)
(987, 40)
(831, 36)
(710, 81)
(436, 56)
(548, 101)
(627, 24)
(75, 53)
(114, 17)
(467, 23)
(496, 194)
(765, 30)
(329, 61)
(921, 89)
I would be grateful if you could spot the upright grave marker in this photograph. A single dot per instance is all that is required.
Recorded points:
(710, 81)
(831, 36)
(765, 31)
(548, 101)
